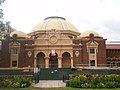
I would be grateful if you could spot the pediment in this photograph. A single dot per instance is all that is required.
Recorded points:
(14, 44)
(92, 43)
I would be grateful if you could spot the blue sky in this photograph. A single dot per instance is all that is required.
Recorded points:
(102, 16)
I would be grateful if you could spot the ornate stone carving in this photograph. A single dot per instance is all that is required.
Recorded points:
(53, 39)
(64, 36)
(29, 53)
(42, 36)
(77, 53)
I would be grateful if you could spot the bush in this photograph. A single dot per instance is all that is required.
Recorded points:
(111, 84)
(95, 81)
(67, 83)
(100, 85)
(77, 81)
(15, 81)
(86, 85)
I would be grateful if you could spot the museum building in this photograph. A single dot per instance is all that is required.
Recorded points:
(56, 43)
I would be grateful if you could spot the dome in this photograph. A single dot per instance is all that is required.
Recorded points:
(55, 23)
(19, 34)
(87, 33)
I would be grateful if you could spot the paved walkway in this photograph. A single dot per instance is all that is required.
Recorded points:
(50, 84)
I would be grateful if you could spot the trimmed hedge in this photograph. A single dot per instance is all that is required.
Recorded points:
(94, 81)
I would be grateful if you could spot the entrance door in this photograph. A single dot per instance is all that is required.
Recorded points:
(53, 61)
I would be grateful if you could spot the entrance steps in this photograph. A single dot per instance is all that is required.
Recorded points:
(50, 84)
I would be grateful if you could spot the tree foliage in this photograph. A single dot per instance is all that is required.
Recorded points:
(5, 28)
(1, 11)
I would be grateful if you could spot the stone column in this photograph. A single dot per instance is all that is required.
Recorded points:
(46, 62)
(96, 63)
(59, 62)
(35, 62)
(116, 64)
(71, 62)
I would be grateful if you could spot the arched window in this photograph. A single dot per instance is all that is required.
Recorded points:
(66, 61)
(53, 60)
(41, 60)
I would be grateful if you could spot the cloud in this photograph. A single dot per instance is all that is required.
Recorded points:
(112, 25)
(101, 16)
(111, 29)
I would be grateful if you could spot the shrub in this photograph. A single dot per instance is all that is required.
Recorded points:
(16, 85)
(111, 84)
(77, 81)
(95, 81)
(86, 85)
(100, 85)
(15, 81)
(67, 83)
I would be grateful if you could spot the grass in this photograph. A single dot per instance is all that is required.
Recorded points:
(66, 88)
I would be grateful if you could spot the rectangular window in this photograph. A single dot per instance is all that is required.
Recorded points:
(92, 50)
(14, 51)
(14, 63)
(92, 62)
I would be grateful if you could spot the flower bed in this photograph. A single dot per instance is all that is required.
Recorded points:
(94, 81)
(15, 81)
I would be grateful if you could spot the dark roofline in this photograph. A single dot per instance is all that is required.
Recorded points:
(55, 17)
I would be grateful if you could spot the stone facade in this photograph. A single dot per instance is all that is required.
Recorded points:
(53, 48)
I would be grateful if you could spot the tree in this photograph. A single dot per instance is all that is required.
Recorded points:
(1, 11)
(5, 28)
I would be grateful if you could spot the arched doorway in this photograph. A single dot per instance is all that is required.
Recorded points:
(53, 60)
(66, 61)
(41, 60)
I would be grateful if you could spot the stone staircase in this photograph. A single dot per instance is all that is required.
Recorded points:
(50, 84)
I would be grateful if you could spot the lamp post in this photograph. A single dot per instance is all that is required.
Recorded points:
(29, 67)
(36, 74)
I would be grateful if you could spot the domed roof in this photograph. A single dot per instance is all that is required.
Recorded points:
(55, 23)
(19, 34)
(87, 33)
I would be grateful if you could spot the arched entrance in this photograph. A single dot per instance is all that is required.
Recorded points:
(66, 61)
(41, 60)
(53, 60)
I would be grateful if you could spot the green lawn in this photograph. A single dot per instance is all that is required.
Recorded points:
(67, 88)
